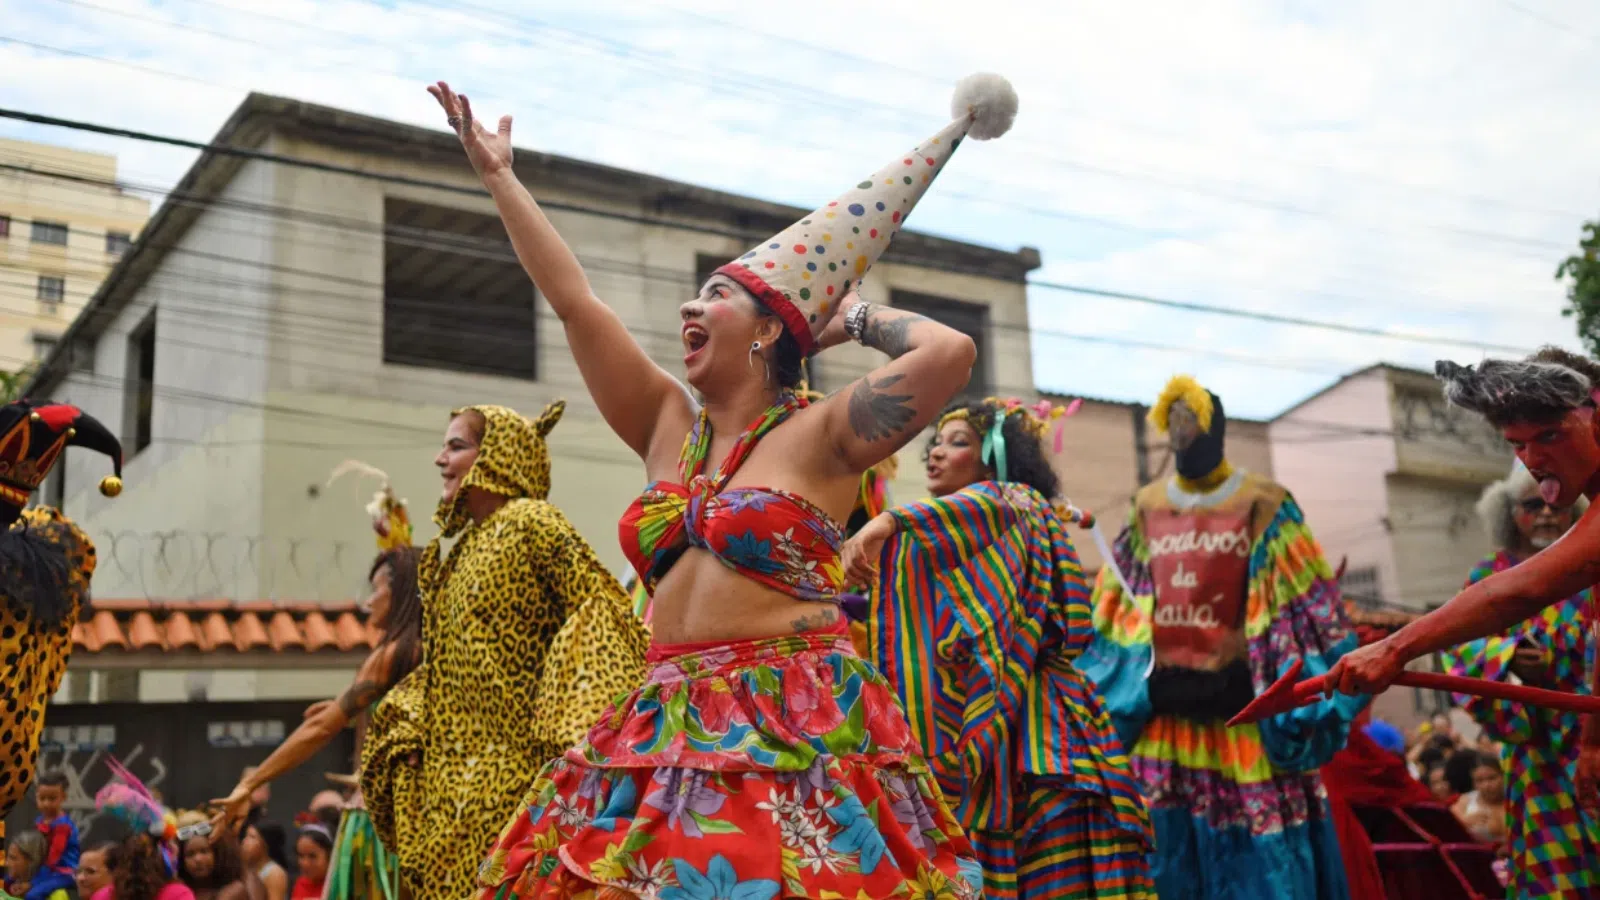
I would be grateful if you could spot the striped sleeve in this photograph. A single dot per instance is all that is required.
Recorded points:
(957, 526)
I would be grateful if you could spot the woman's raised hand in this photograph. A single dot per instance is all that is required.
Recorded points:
(489, 151)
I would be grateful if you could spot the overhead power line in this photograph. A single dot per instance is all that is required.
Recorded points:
(1103, 293)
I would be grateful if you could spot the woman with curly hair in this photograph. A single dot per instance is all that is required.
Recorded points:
(1545, 408)
(980, 608)
(1539, 747)
(144, 866)
(209, 861)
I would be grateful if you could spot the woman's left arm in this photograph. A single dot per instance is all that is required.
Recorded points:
(881, 412)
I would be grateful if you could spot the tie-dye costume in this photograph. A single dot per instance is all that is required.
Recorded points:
(1555, 844)
(740, 770)
(526, 639)
(980, 611)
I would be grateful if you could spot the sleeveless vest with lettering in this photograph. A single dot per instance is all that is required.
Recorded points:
(1200, 564)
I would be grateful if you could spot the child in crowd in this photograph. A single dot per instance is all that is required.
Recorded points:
(60, 837)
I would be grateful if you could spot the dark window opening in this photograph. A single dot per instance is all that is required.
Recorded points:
(141, 387)
(454, 295)
(118, 242)
(49, 232)
(971, 319)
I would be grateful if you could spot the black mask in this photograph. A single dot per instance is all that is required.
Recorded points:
(1202, 457)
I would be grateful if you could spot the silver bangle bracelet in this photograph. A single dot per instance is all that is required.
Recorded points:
(855, 321)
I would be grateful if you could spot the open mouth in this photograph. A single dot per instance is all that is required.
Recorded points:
(694, 339)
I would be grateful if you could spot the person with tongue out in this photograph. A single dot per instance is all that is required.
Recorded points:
(1222, 590)
(1544, 406)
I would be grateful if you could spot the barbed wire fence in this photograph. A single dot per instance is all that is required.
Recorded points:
(179, 565)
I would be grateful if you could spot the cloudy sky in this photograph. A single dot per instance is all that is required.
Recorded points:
(1419, 167)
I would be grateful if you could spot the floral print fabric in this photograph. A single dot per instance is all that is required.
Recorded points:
(741, 772)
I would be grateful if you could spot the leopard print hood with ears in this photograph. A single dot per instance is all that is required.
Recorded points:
(513, 461)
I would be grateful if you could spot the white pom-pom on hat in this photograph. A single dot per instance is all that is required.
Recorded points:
(989, 100)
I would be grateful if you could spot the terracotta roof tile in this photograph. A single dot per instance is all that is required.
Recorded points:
(181, 633)
(218, 626)
(283, 632)
(1373, 625)
(142, 631)
(319, 633)
(347, 632)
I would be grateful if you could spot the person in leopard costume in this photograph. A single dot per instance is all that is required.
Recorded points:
(46, 562)
(527, 638)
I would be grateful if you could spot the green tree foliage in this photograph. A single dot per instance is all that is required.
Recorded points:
(12, 383)
(1581, 271)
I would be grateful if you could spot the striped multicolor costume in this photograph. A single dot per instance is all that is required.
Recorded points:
(980, 610)
(1228, 590)
(1555, 845)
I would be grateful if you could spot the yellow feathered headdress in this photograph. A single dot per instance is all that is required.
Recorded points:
(389, 517)
(1185, 388)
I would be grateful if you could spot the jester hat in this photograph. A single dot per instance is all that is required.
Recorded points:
(32, 439)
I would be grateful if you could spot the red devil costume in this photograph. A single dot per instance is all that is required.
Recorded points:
(45, 566)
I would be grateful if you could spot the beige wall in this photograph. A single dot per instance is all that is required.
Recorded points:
(1333, 452)
(88, 209)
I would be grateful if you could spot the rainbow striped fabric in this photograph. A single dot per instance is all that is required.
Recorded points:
(1555, 844)
(1239, 813)
(980, 609)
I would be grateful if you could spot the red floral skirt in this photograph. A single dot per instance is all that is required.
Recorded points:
(741, 772)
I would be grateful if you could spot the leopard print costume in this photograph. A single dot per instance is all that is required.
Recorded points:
(527, 639)
(33, 658)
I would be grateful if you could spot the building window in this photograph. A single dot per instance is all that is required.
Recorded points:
(5, 226)
(43, 344)
(1362, 586)
(51, 291)
(49, 232)
(971, 319)
(454, 295)
(118, 242)
(140, 387)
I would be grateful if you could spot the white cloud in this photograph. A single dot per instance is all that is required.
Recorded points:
(1418, 166)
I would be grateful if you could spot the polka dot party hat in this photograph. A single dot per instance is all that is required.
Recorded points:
(803, 272)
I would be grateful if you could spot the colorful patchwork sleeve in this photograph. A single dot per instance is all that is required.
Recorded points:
(1118, 656)
(1490, 659)
(1295, 613)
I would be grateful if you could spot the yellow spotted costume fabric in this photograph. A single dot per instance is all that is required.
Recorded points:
(33, 658)
(527, 639)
